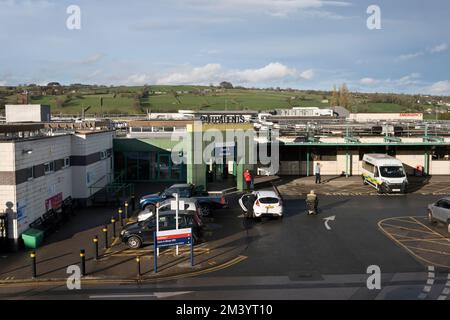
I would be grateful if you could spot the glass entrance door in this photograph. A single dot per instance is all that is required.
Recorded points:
(164, 167)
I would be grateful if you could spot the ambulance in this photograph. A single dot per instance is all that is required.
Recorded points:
(385, 173)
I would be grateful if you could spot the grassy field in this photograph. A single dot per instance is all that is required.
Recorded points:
(123, 100)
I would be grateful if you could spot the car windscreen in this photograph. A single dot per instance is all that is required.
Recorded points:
(392, 172)
(268, 200)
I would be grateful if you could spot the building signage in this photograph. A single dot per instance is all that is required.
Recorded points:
(174, 237)
(21, 211)
(170, 238)
(224, 150)
(223, 118)
(54, 202)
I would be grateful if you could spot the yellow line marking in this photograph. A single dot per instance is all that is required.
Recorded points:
(409, 237)
(405, 228)
(434, 232)
(430, 250)
(418, 257)
(112, 245)
(114, 281)
(404, 220)
(428, 240)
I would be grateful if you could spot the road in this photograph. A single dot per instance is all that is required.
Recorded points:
(298, 258)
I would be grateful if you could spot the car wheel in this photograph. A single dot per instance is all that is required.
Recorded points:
(364, 181)
(205, 210)
(134, 242)
(430, 217)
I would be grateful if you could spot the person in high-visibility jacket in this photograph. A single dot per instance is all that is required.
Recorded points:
(248, 179)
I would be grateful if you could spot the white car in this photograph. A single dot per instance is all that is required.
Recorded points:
(440, 212)
(190, 204)
(262, 203)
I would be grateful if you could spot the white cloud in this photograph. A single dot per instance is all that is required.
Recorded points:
(409, 80)
(410, 56)
(440, 88)
(307, 74)
(2, 83)
(92, 59)
(368, 81)
(199, 75)
(137, 79)
(215, 73)
(269, 72)
(278, 8)
(436, 49)
(439, 48)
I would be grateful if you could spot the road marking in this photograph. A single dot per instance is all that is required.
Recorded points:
(327, 220)
(405, 228)
(158, 295)
(90, 281)
(427, 240)
(401, 243)
(434, 232)
(446, 291)
(430, 282)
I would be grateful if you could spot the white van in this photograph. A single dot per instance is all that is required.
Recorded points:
(384, 173)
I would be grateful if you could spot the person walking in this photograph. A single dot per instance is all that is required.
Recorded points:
(317, 172)
(248, 179)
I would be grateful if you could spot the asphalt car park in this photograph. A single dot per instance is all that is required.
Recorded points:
(323, 256)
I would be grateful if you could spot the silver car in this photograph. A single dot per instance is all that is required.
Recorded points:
(440, 212)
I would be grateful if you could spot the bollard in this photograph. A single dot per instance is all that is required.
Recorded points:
(138, 260)
(33, 264)
(113, 221)
(105, 232)
(95, 240)
(83, 262)
(120, 216)
(126, 210)
(133, 203)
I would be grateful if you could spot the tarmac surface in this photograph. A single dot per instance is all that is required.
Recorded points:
(298, 257)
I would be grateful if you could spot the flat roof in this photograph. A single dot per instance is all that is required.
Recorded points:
(159, 123)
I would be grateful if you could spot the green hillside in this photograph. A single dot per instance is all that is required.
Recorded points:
(138, 99)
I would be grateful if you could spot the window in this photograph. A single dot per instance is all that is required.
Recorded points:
(367, 166)
(324, 154)
(49, 167)
(30, 173)
(392, 172)
(136, 129)
(103, 155)
(441, 154)
(66, 162)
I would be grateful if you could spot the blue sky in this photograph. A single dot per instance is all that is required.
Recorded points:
(305, 44)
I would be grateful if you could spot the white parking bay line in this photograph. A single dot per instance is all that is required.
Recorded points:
(158, 295)
(122, 296)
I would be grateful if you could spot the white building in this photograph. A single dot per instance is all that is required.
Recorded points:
(39, 169)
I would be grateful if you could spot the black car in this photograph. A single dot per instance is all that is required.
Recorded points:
(139, 233)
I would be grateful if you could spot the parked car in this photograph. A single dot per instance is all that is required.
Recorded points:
(191, 206)
(207, 202)
(440, 212)
(135, 235)
(262, 203)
